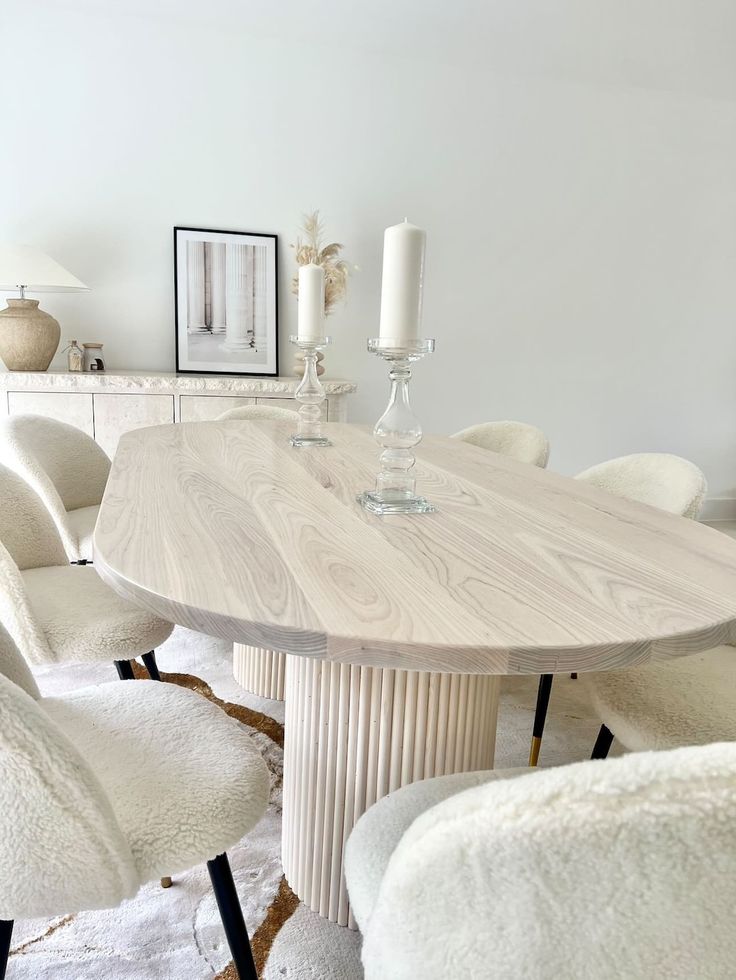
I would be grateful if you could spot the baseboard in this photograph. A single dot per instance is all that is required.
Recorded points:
(718, 509)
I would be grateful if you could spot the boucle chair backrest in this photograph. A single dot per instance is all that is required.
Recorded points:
(518, 440)
(669, 482)
(27, 530)
(14, 667)
(55, 458)
(617, 868)
(60, 844)
(254, 412)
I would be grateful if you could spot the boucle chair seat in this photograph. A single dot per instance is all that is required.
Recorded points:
(83, 619)
(377, 834)
(687, 701)
(65, 467)
(164, 756)
(57, 612)
(518, 440)
(107, 787)
(82, 525)
(615, 869)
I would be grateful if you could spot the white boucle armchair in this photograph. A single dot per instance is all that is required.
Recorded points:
(57, 612)
(108, 787)
(518, 440)
(661, 480)
(616, 870)
(66, 468)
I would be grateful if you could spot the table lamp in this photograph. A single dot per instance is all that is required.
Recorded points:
(29, 338)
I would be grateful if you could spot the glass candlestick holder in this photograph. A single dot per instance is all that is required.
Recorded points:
(310, 394)
(398, 431)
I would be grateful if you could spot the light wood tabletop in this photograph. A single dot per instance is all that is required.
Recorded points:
(224, 527)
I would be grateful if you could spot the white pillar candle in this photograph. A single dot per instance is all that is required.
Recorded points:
(311, 302)
(403, 277)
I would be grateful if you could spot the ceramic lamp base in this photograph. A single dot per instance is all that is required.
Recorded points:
(29, 338)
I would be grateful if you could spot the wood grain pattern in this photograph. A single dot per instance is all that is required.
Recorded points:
(225, 528)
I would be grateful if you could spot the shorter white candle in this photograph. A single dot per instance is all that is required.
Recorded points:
(403, 275)
(311, 302)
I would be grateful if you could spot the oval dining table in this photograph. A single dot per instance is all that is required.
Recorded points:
(397, 628)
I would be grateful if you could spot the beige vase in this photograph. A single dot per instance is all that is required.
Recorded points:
(29, 338)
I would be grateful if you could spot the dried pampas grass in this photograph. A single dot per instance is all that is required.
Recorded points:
(309, 248)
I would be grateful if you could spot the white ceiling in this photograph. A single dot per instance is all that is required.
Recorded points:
(680, 45)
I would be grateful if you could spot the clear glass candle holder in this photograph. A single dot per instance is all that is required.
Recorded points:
(398, 431)
(310, 394)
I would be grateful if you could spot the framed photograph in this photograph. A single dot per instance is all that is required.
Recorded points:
(225, 290)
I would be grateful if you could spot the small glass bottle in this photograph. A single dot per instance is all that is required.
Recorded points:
(75, 357)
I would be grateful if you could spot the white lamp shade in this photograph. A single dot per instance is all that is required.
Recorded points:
(23, 265)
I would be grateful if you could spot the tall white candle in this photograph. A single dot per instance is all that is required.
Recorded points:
(311, 302)
(403, 277)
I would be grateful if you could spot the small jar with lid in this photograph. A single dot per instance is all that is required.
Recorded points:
(93, 360)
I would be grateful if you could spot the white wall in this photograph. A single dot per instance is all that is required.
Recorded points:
(574, 164)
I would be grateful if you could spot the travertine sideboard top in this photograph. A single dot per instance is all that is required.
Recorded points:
(161, 381)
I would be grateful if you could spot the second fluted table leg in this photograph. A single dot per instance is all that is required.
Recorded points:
(261, 672)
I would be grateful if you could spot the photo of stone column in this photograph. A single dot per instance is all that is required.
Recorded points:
(207, 286)
(217, 286)
(239, 298)
(260, 318)
(195, 287)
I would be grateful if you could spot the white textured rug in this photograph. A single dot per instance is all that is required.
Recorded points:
(175, 934)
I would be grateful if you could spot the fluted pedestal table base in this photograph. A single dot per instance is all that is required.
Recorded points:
(354, 734)
(261, 672)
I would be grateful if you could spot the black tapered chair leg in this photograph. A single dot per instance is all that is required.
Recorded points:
(125, 670)
(232, 917)
(540, 716)
(149, 662)
(602, 743)
(6, 931)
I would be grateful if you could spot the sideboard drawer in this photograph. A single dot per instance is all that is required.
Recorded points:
(72, 407)
(204, 408)
(116, 414)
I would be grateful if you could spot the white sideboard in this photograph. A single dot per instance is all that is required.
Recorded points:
(108, 404)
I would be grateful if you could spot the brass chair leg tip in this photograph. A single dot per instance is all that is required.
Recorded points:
(534, 751)
(166, 882)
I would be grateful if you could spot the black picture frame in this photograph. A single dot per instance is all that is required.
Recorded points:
(208, 341)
